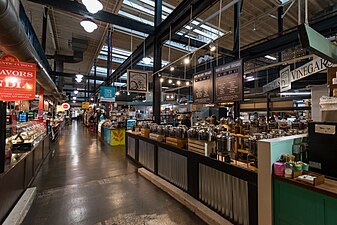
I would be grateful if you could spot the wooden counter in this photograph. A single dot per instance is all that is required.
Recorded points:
(328, 188)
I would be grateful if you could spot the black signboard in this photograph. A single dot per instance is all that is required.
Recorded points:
(203, 87)
(228, 82)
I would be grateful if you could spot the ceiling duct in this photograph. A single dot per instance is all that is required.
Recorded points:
(13, 40)
(79, 46)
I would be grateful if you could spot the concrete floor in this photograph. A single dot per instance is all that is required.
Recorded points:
(88, 182)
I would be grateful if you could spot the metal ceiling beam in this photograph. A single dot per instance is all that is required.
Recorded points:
(174, 22)
(103, 16)
(73, 75)
(80, 9)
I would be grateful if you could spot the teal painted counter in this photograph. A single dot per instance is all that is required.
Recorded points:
(296, 205)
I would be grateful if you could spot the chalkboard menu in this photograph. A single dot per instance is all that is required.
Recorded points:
(228, 82)
(203, 87)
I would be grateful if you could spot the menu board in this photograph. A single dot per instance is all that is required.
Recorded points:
(228, 80)
(203, 87)
(137, 81)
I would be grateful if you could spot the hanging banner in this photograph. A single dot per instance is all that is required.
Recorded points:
(137, 81)
(228, 81)
(17, 79)
(85, 105)
(288, 76)
(107, 94)
(203, 87)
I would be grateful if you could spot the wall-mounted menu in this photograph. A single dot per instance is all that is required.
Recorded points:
(228, 82)
(203, 87)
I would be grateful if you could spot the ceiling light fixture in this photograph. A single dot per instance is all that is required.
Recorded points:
(161, 80)
(212, 47)
(187, 60)
(92, 99)
(295, 93)
(80, 76)
(74, 98)
(172, 68)
(79, 80)
(118, 93)
(93, 6)
(270, 57)
(178, 82)
(187, 83)
(76, 92)
(147, 60)
(89, 25)
(74, 101)
(170, 81)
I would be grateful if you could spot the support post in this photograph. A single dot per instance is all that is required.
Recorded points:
(44, 29)
(280, 27)
(236, 49)
(268, 106)
(2, 136)
(157, 65)
(95, 77)
(109, 55)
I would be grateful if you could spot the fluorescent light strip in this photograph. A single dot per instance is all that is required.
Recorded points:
(270, 57)
(295, 93)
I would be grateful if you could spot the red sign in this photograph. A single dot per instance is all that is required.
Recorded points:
(65, 106)
(17, 79)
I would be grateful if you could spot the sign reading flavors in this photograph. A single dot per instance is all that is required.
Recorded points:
(107, 94)
(137, 81)
(17, 79)
(229, 82)
(203, 87)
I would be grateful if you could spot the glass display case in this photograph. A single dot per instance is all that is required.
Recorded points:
(27, 136)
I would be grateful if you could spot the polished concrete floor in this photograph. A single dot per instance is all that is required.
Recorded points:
(87, 182)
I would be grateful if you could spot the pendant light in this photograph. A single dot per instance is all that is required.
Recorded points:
(93, 6)
(89, 25)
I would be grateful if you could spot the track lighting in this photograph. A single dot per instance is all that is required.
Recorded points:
(89, 25)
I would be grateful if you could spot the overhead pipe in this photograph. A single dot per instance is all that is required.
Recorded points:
(13, 40)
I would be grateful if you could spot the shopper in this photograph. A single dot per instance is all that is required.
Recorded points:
(213, 120)
(187, 120)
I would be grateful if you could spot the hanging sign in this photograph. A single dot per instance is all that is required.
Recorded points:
(288, 76)
(107, 94)
(137, 81)
(203, 87)
(85, 105)
(17, 79)
(65, 106)
(228, 81)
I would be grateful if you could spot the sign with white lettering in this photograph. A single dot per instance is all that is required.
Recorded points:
(17, 79)
(287, 76)
(285, 79)
(203, 87)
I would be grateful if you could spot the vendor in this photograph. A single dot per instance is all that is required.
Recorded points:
(187, 120)
(213, 120)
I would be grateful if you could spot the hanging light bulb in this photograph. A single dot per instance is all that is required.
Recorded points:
(79, 80)
(76, 92)
(187, 83)
(89, 25)
(93, 6)
(147, 60)
(187, 60)
(129, 93)
(212, 47)
(178, 82)
(170, 81)
(74, 98)
(118, 93)
(172, 68)
(92, 99)
(74, 101)
(80, 76)
(161, 80)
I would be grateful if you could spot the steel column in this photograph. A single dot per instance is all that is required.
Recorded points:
(157, 65)
(109, 54)
(268, 106)
(95, 77)
(280, 27)
(236, 49)
(2, 136)
(44, 29)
